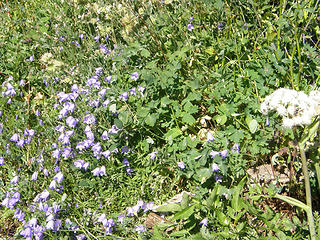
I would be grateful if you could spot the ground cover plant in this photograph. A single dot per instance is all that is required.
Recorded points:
(147, 119)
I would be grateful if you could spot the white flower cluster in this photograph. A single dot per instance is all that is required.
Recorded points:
(296, 108)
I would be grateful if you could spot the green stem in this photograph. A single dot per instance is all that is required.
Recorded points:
(308, 191)
(317, 167)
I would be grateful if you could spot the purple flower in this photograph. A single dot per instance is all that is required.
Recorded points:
(125, 149)
(28, 132)
(26, 233)
(96, 38)
(18, 214)
(220, 26)
(14, 138)
(106, 153)
(149, 206)
(224, 154)
(129, 171)
(204, 222)
(56, 153)
(66, 152)
(124, 96)
(89, 119)
(99, 171)
(96, 148)
(34, 176)
(58, 177)
(81, 237)
(126, 162)
(153, 155)
(108, 79)
(15, 180)
(1, 161)
(76, 43)
(130, 211)
(134, 76)
(214, 153)
(235, 148)
(71, 121)
(53, 185)
(81, 36)
(141, 228)
(79, 163)
(133, 91)
(210, 138)
(104, 135)
(190, 27)
(85, 166)
(44, 195)
(121, 218)
(104, 49)
(181, 165)
(215, 167)
(218, 178)
(141, 90)
(50, 225)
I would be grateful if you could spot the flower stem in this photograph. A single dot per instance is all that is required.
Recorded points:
(308, 191)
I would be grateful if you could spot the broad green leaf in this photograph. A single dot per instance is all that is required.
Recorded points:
(204, 174)
(222, 218)
(118, 123)
(185, 200)
(185, 213)
(188, 118)
(142, 112)
(173, 133)
(170, 207)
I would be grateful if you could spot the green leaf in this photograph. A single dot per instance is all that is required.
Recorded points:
(145, 53)
(189, 108)
(151, 119)
(185, 200)
(222, 218)
(252, 124)
(118, 123)
(204, 174)
(173, 133)
(185, 213)
(221, 119)
(142, 112)
(170, 207)
(188, 118)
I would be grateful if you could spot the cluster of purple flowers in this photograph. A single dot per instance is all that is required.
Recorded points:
(109, 224)
(28, 133)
